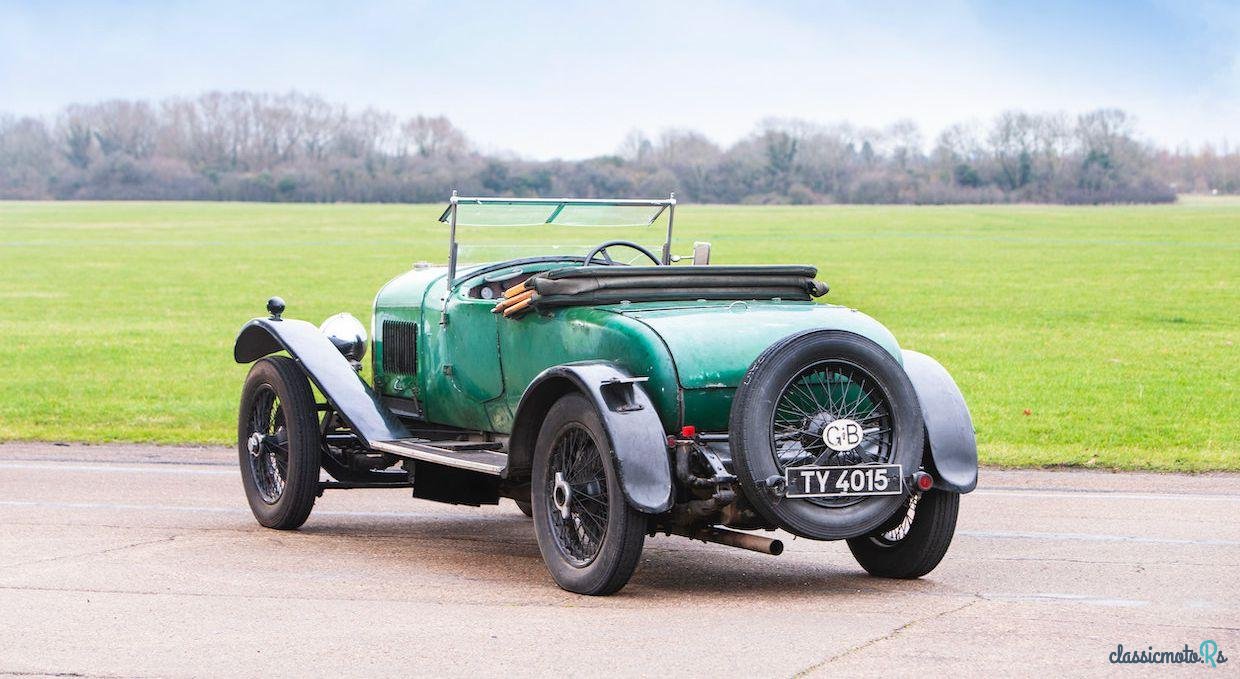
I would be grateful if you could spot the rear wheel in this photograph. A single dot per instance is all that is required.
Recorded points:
(589, 536)
(525, 507)
(917, 544)
(278, 443)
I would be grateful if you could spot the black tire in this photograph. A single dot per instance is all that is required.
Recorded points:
(753, 422)
(290, 443)
(921, 549)
(603, 563)
(525, 507)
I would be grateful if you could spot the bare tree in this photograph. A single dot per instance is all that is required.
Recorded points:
(294, 146)
(434, 137)
(26, 155)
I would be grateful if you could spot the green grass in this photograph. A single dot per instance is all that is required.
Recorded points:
(1081, 336)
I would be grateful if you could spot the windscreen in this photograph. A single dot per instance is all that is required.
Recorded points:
(554, 228)
(533, 213)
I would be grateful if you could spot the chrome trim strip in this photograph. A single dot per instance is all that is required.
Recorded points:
(448, 458)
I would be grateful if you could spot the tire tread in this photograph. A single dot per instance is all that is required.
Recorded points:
(288, 380)
(922, 549)
(622, 549)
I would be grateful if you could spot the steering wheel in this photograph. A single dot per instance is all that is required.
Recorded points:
(602, 250)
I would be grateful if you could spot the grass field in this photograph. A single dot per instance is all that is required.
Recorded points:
(1081, 336)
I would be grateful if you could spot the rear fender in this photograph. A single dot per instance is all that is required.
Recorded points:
(629, 418)
(330, 371)
(950, 439)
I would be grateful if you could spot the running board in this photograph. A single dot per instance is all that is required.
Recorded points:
(458, 454)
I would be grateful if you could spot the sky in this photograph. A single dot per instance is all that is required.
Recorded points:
(571, 79)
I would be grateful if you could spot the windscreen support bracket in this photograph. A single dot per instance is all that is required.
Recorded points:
(452, 207)
(667, 244)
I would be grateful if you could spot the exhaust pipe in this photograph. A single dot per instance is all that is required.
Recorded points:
(732, 538)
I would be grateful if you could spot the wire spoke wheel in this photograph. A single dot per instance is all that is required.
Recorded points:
(818, 395)
(824, 398)
(279, 443)
(900, 531)
(268, 445)
(577, 495)
(589, 535)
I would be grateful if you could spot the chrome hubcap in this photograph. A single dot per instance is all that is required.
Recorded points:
(255, 444)
(561, 495)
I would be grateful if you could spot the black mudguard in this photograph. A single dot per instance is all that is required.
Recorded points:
(949, 429)
(633, 428)
(330, 371)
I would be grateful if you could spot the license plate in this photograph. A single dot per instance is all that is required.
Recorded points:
(875, 479)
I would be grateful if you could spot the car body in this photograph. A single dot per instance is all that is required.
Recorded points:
(705, 401)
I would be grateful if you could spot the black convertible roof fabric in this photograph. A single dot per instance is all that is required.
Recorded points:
(579, 286)
(678, 271)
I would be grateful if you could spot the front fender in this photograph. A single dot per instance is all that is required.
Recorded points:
(949, 429)
(632, 424)
(330, 371)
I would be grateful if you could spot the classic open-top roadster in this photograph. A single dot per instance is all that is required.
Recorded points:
(613, 401)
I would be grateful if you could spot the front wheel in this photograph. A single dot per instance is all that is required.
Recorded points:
(589, 536)
(278, 443)
(917, 544)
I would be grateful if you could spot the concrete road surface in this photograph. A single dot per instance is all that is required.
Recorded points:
(144, 561)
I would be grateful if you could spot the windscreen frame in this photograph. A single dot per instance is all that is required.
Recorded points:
(555, 206)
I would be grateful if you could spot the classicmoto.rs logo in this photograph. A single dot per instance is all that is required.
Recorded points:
(1207, 653)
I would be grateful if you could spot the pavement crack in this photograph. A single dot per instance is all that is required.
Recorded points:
(86, 675)
(888, 636)
(12, 673)
(97, 552)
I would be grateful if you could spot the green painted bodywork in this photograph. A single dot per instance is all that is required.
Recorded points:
(473, 369)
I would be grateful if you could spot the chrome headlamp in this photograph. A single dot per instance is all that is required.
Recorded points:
(347, 333)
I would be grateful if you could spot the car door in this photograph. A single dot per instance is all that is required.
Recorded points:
(471, 348)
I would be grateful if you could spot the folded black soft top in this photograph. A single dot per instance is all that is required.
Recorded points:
(578, 286)
(676, 271)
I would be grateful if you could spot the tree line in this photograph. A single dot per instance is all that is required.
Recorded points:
(252, 146)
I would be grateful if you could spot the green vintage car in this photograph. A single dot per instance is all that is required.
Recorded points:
(613, 392)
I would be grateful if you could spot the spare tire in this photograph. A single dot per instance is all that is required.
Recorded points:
(782, 410)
